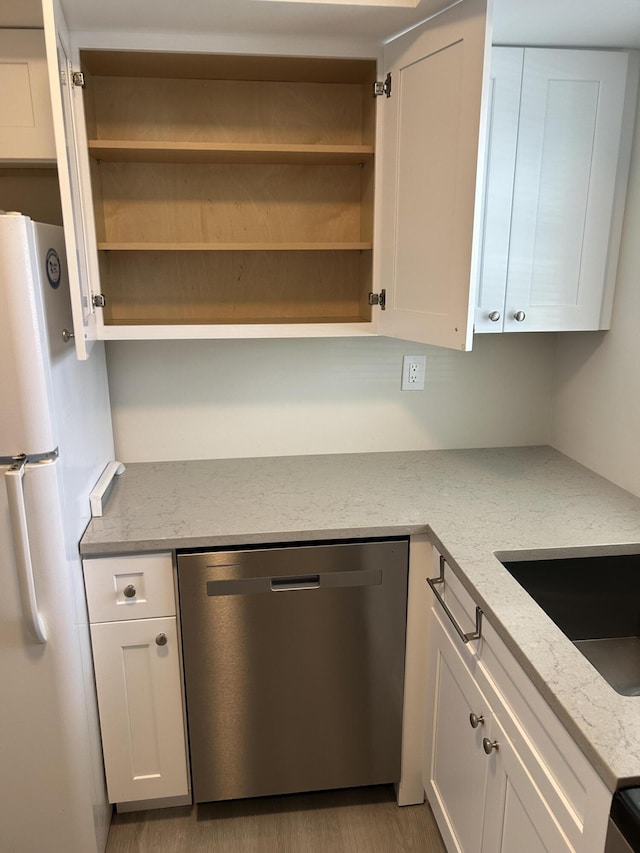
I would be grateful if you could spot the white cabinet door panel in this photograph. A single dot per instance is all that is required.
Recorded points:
(26, 128)
(502, 140)
(140, 701)
(570, 124)
(76, 212)
(519, 820)
(456, 766)
(432, 175)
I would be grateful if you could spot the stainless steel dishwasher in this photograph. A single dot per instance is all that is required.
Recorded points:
(294, 666)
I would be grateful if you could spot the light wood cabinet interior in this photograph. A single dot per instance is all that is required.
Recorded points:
(231, 189)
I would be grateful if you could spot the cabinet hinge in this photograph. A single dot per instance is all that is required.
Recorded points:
(77, 79)
(98, 301)
(379, 299)
(383, 88)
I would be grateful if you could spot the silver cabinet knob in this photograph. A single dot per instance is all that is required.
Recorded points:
(161, 640)
(494, 316)
(129, 591)
(489, 745)
(476, 720)
(519, 316)
(67, 335)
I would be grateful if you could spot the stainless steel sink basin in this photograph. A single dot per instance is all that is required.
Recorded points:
(595, 601)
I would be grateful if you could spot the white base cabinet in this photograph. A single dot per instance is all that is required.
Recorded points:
(485, 801)
(501, 774)
(138, 676)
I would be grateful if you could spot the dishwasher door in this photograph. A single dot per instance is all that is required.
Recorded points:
(294, 666)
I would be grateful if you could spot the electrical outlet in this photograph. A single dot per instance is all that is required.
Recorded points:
(413, 371)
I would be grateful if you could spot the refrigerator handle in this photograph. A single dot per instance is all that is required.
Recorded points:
(18, 515)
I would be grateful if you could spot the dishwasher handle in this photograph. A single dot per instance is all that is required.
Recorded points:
(306, 582)
(282, 583)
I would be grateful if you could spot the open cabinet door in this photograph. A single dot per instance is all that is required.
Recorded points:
(432, 176)
(63, 103)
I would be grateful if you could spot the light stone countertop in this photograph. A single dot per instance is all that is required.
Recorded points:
(471, 502)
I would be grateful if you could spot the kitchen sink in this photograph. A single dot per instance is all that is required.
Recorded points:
(595, 601)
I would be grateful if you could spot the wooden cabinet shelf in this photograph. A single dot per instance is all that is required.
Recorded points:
(234, 247)
(140, 151)
(235, 287)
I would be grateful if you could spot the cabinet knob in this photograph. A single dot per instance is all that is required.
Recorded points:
(161, 640)
(494, 316)
(67, 335)
(519, 316)
(476, 720)
(129, 591)
(489, 745)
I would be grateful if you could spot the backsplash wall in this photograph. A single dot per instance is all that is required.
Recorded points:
(199, 399)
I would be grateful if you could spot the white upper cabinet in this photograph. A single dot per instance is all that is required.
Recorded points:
(26, 135)
(218, 196)
(558, 162)
(212, 195)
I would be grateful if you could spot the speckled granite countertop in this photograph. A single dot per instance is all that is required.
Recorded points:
(472, 503)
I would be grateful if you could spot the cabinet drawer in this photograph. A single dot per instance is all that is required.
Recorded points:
(134, 587)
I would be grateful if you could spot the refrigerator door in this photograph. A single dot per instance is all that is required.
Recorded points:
(46, 781)
(26, 422)
(52, 792)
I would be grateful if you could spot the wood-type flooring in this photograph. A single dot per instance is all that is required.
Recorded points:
(361, 820)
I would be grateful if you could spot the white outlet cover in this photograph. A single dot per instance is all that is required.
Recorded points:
(413, 372)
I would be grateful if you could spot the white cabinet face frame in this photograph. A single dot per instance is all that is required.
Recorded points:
(26, 128)
(455, 43)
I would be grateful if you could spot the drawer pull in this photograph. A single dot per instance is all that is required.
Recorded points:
(129, 591)
(489, 745)
(161, 640)
(472, 635)
(476, 721)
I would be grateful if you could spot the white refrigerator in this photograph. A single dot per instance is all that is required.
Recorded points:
(55, 441)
